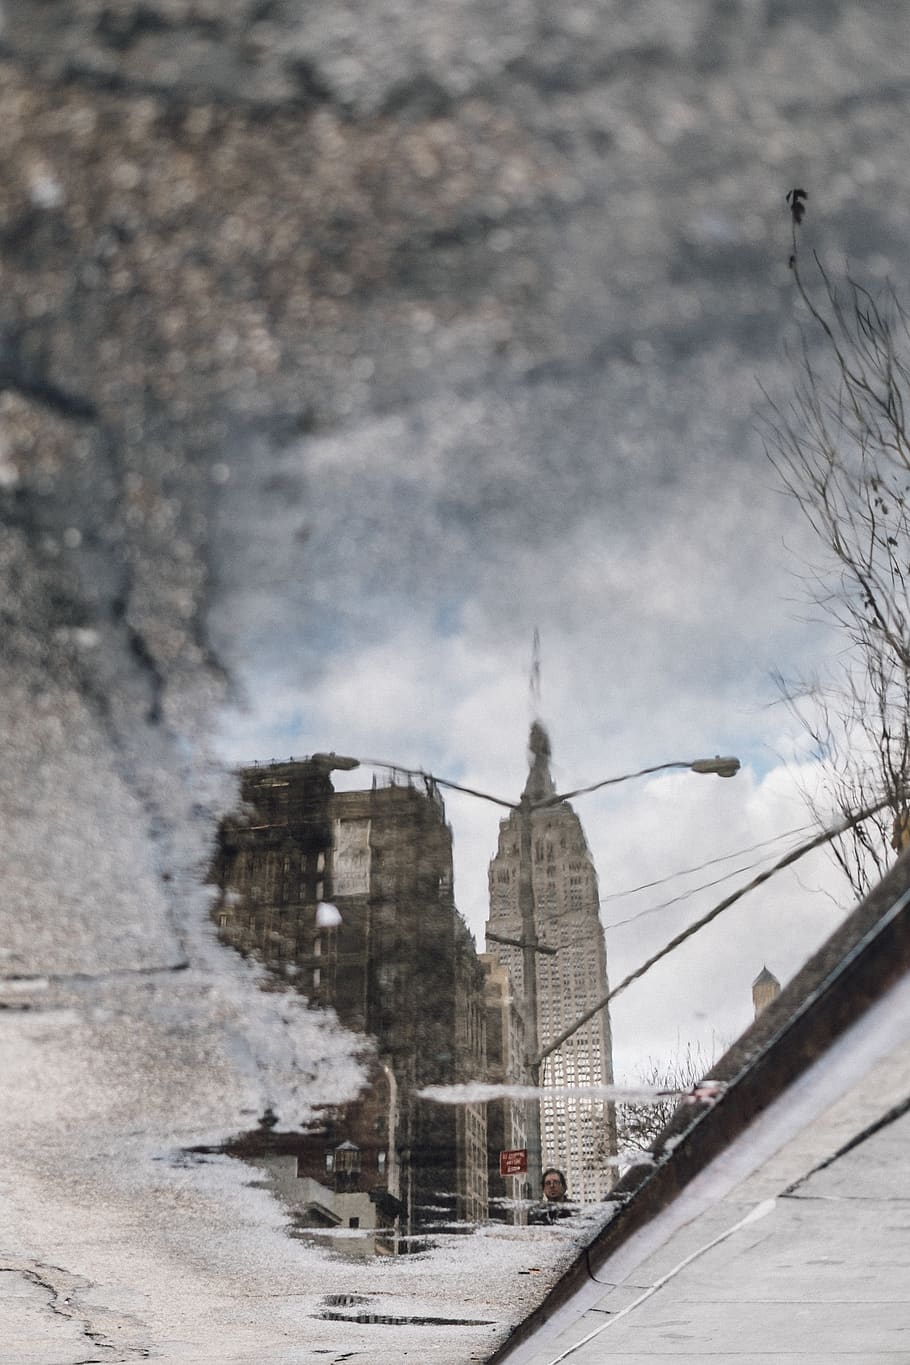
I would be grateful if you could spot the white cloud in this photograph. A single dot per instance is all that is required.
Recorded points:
(702, 991)
(628, 512)
(458, 708)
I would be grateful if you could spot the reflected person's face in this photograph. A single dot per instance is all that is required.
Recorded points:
(553, 1188)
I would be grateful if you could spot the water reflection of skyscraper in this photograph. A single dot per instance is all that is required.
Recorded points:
(576, 1135)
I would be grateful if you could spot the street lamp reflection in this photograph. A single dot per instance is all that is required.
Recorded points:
(723, 767)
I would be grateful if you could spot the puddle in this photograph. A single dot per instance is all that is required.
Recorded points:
(320, 1212)
(390, 1321)
(332, 1302)
(346, 898)
(331, 1205)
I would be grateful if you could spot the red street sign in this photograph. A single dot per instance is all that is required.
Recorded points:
(514, 1162)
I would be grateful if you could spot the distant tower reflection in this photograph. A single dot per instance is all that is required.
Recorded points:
(765, 988)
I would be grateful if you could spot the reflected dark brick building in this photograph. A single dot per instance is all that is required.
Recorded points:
(400, 965)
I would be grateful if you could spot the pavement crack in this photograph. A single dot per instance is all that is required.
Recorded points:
(62, 1287)
(139, 649)
(896, 1112)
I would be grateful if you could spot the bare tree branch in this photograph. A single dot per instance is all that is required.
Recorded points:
(841, 450)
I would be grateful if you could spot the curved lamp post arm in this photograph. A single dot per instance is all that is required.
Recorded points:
(431, 777)
(722, 767)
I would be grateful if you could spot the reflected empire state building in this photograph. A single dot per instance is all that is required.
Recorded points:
(577, 1135)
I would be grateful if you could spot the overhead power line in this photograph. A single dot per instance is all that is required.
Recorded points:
(699, 867)
(686, 895)
(793, 856)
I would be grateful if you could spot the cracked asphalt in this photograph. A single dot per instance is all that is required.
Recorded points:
(231, 230)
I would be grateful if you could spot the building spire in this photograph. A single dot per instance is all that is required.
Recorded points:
(539, 784)
(534, 680)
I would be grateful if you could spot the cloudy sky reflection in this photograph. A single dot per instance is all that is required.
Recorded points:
(553, 422)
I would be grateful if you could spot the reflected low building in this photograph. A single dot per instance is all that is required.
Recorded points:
(340, 1177)
(399, 965)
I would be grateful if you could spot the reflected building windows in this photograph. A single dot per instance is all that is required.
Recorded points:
(576, 1137)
